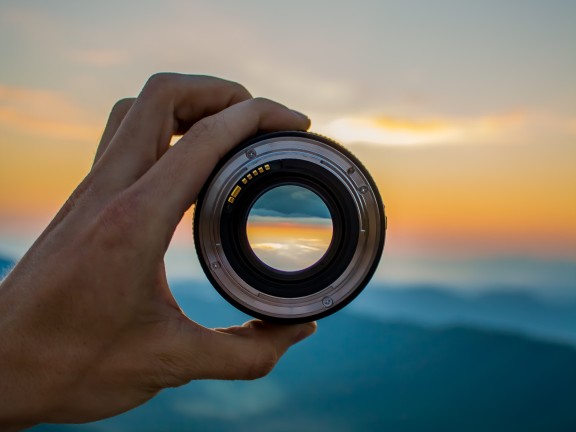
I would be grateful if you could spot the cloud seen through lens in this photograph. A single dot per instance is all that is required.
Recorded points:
(289, 228)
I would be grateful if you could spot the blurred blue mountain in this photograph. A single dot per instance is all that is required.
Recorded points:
(498, 309)
(361, 374)
(5, 265)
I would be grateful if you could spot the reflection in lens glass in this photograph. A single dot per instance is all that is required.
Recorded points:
(289, 228)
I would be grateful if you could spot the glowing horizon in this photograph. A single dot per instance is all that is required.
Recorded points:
(289, 246)
(472, 158)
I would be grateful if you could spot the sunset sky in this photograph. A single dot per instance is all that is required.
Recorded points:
(464, 112)
(289, 228)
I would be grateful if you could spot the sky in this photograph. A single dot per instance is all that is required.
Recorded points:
(463, 111)
(289, 228)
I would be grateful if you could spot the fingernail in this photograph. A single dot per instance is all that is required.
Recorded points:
(308, 330)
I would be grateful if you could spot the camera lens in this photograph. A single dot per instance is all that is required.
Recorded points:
(289, 227)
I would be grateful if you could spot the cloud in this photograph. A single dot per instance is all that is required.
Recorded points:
(231, 400)
(46, 114)
(385, 130)
(291, 254)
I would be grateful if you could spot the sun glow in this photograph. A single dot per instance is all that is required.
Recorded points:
(381, 130)
(289, 246)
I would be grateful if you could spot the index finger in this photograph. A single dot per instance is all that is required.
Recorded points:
(168, 104)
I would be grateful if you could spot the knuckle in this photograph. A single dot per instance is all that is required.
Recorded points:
(205, 128)
(224, 84)
(206, 134)
(161, 78)
(171, 371)
(262, 105)
(171, 366)
(116, 221)
(159, 83)
(73, 200)
(261, 102)
(70, 204)
(261, 363)
(121, 107)
(240, 90)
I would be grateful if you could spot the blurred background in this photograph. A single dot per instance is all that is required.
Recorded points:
(465, 114)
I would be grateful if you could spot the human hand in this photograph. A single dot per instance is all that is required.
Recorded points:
(88, 325)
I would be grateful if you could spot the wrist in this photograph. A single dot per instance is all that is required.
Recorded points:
(24, 376)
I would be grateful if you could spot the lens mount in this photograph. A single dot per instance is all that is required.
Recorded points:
(248, 172)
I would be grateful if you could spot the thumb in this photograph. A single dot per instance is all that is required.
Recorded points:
(242, 352)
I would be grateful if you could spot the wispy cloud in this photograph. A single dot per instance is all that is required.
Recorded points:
(386, 130)
(289, 246)
(382, 130)
(230, 400)
(45, 113)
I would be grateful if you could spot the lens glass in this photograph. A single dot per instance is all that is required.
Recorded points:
(289, 228)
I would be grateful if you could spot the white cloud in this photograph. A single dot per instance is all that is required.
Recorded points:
(387, 130)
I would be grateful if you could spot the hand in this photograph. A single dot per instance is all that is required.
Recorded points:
(88, 325)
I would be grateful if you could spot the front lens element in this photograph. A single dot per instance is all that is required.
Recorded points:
(289, 228)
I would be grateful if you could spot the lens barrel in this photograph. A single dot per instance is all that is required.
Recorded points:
(297, 159)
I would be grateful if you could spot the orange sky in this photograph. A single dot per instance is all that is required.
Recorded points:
(457, 198)
(289, 246)
(472, 158)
